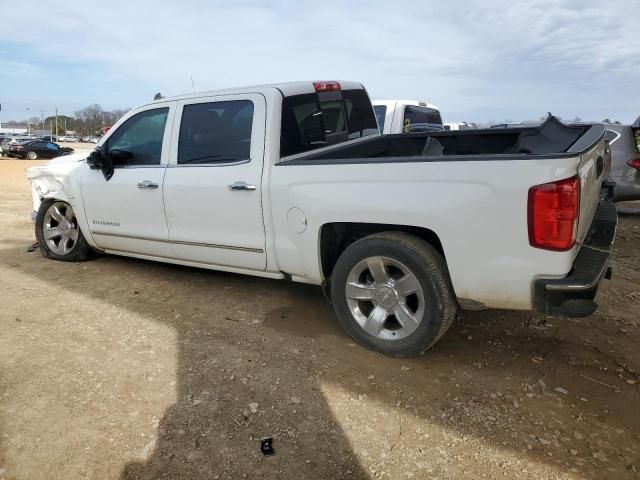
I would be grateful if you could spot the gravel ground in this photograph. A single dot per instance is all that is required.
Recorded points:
(118, 368)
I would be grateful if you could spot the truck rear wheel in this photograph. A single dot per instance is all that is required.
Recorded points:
(58, 233)
(391, 292)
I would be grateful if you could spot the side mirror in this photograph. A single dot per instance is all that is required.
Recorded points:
(99, 159)
(95, 159)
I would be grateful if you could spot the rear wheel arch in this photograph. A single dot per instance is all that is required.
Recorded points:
(337, 236)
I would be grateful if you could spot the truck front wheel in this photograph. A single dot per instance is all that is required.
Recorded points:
(58, 233)
(391, 292)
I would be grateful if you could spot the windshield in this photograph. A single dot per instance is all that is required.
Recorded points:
(381, 112)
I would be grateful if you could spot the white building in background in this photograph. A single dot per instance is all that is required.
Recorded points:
(13, 131)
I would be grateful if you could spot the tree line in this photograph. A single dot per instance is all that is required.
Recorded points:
(87, 121)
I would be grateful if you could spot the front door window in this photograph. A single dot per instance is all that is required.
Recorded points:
(138, 141)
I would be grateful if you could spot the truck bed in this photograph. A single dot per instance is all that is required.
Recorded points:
(551, 139)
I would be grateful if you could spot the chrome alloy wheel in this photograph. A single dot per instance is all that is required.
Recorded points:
(385, 298)
(60, 228)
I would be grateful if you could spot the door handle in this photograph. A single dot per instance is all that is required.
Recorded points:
(148, 184)
(240, 186)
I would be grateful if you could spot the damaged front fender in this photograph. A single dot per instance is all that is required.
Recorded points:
(59, 179)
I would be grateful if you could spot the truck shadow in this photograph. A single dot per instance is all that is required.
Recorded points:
(256, 356)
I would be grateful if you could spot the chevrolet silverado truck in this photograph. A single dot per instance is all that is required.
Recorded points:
(294, 181)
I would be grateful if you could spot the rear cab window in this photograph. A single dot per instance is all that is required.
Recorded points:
(421, 119)
(316, 120)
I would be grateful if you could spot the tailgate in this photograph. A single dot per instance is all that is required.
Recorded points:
(591, 171)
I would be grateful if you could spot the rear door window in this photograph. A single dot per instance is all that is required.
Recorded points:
(215, 132)
(316, 120)
(421, 119)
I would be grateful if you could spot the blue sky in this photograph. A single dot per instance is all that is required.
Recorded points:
(478, 60)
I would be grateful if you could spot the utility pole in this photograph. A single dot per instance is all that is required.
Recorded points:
(42, 118)
(28, 123)
(56, 123)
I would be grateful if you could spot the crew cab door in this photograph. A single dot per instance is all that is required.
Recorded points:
(212, 189)
(126, 213)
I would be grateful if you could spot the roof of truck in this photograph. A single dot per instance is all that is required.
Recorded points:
(286, 88)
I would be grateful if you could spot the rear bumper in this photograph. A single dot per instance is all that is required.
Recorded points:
(573, 295)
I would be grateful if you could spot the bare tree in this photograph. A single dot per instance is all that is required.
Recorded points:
(91, 119)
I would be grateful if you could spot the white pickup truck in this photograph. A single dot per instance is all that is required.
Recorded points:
(293, 181)
(407, 116)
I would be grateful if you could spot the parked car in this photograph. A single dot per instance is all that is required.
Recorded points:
(90, 139)
(400, 230)
(625, 160)
(68, 138)
(407, 116)
(6, 143)
(34, 149)
(48, 138)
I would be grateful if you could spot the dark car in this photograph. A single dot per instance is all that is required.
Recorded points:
(625, 160)
(38, 149)
(48, 138)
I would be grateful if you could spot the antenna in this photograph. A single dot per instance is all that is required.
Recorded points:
(192, 85)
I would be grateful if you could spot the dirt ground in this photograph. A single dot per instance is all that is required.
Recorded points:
(118, 368)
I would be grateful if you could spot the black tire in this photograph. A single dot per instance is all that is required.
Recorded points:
(31, 155)
(81, 250)
(426, 264)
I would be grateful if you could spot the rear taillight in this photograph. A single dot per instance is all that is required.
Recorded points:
(326, 86)
(553, 214)
(635, 163)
